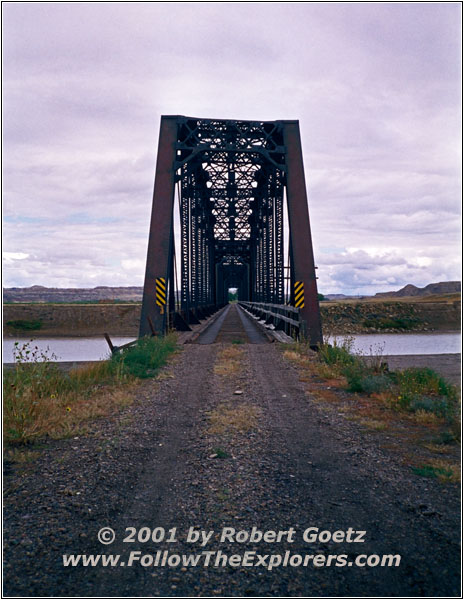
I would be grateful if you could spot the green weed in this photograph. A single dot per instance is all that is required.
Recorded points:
(146, 357)
(220, 453)
(339, 355)
(445, 438)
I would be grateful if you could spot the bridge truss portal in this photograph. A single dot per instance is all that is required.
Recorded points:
(221, 188)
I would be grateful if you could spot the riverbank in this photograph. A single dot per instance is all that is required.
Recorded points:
(370, 315)
(392, 315)
(446, 365)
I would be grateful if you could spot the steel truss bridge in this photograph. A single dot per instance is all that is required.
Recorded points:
(229, 211)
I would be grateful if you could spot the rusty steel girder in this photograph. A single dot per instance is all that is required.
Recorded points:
(231, 177)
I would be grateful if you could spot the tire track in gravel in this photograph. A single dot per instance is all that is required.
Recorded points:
(343, 479)
(298, 468)
(296, 465)
(181, 405)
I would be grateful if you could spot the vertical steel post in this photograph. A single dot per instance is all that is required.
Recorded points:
(160, 243)
(300, 238)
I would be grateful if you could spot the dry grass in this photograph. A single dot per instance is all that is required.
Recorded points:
(298, 357)
(59, 417)
(452, 472)
(443, 470)
(424, 417)
(438, 448)
(411, 433)
(314, 368)
(21, 456)
(231, 419)
(40, 400)
(292, 355)
(373, 424)
(327, 395)
(229, 361)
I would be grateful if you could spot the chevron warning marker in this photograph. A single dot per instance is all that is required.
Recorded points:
(160, 291)
(299, 294)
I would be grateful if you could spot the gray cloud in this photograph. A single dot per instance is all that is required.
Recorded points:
(376, 87)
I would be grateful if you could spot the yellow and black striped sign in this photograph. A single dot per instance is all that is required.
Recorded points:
(299, 294)
(160, 291)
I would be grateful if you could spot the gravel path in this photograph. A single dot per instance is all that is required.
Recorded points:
(279, 461)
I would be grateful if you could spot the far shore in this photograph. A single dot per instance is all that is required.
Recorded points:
(380, 316)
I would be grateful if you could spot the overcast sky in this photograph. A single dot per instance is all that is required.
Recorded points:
(376, 88)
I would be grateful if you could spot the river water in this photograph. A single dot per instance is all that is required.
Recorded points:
(404, 343)
(65, 349)
(96, 348)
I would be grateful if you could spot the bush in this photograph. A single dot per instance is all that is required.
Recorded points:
(367, 384)
(424, 389)
(445, 438)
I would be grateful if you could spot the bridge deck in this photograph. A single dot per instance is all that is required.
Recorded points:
(233, 326)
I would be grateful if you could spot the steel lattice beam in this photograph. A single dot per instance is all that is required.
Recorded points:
(232, 176)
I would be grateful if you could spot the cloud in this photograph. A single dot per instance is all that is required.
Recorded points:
(376, 87)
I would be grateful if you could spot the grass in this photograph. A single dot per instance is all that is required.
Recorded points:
(416, 405)
(415, 390)
(229, 361)
(25, 325)
(40, 400)
(146, 357)
(231, 419)
(439, 469)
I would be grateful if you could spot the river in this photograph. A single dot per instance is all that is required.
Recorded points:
(404, 343)
(96, 348)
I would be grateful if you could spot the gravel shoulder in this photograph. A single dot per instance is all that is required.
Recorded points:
(191, 451)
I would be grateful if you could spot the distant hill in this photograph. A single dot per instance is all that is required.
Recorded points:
(444, 287)
(340, 297)
(38, 293)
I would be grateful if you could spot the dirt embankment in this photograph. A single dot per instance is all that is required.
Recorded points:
(71, 319)
(434, 313)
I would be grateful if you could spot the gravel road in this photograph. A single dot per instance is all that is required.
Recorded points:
(276, 461)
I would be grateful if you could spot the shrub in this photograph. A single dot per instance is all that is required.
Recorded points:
(424, 389)
(337, 355)
(368, 384)
(445, 438)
